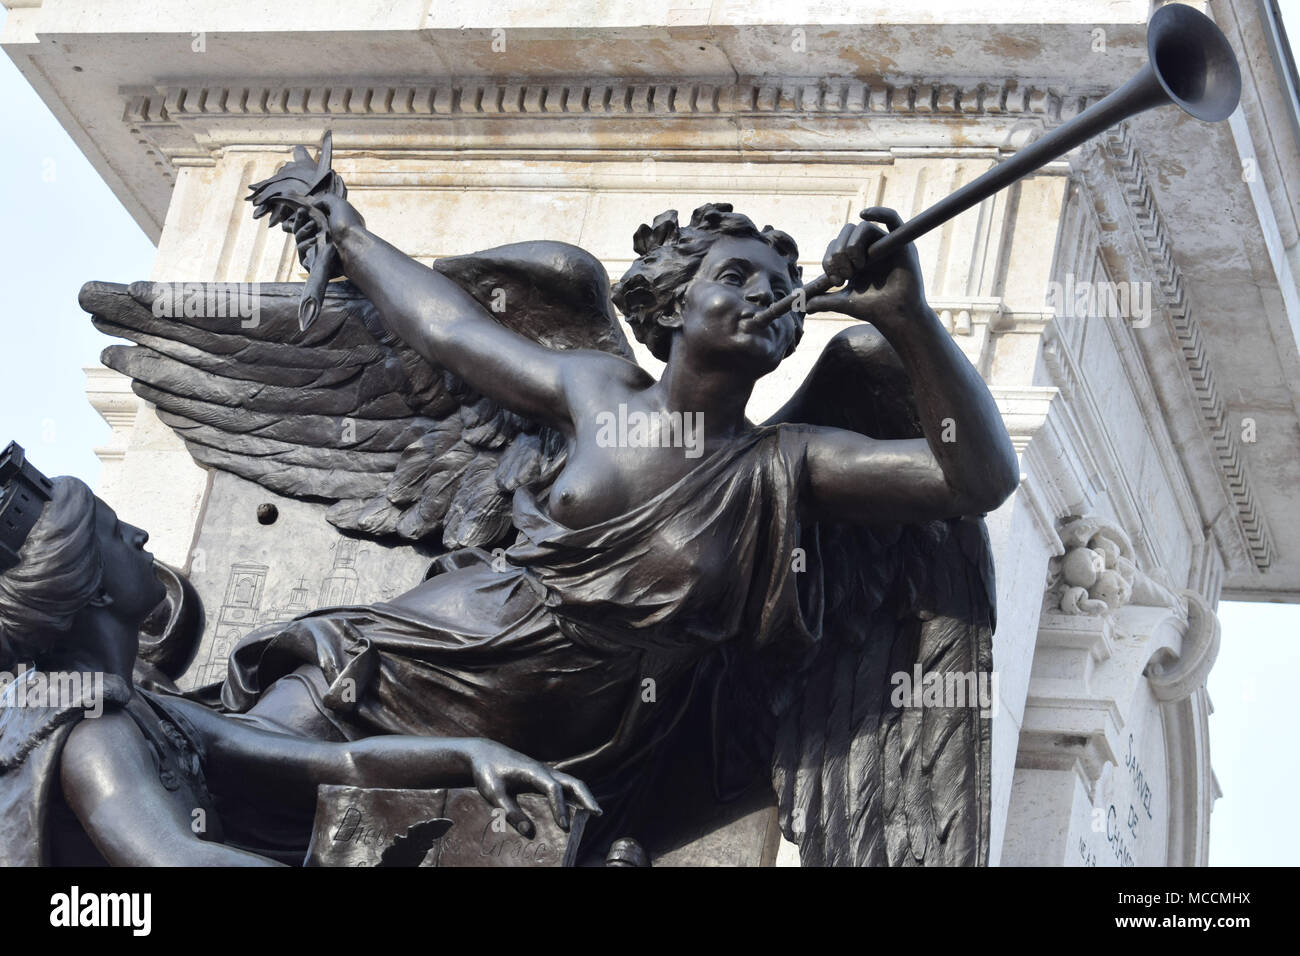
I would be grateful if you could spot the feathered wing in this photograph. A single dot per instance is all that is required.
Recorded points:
(861, 777)
(345, 412)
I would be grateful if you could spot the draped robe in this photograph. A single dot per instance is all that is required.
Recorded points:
(580, 647)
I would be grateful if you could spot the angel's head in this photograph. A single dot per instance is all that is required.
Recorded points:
(77, 558)
(701, 285)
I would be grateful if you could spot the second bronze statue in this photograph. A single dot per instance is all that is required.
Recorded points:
(102, 771)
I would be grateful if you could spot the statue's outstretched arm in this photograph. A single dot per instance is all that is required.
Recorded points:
(966, 463)
(112, 785)
(274, 766)
(110, 782)
(446, 325)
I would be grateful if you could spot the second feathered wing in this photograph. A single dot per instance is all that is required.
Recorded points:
(869, 768)
(344, 412)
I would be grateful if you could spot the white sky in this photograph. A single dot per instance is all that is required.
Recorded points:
(63, 227)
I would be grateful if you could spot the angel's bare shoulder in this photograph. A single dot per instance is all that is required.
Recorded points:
(590, 374)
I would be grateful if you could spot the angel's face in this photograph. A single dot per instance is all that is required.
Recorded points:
(738, 278)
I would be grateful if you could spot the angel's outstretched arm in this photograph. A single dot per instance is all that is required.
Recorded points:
(966, 463)
(449, 328)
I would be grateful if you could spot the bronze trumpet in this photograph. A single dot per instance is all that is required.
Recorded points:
(1190, 65)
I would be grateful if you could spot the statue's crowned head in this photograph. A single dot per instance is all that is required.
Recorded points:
(57, 571)
(652, 295)
(62, 552)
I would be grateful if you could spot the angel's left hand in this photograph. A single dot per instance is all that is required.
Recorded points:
(883, 292)
(500, 773)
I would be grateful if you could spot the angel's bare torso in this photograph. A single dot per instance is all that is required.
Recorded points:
(602, 480)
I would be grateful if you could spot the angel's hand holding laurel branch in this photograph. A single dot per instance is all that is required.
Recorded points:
(306, 197)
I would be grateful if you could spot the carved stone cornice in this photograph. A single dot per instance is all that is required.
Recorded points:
(1123, 162)
(609, 98)
(172, 120)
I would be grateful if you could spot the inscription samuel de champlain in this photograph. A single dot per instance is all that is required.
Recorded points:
(1124, 829)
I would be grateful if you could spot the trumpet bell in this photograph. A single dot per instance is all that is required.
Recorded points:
(1193, 62)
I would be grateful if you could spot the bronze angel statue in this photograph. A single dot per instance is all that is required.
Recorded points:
(767, 585)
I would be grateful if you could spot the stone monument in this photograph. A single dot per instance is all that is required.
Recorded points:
(1139, 359)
